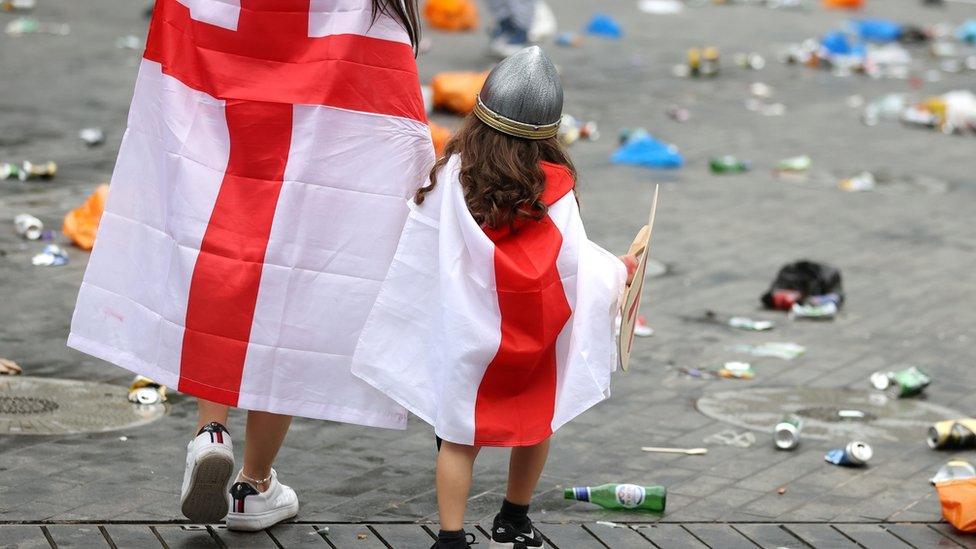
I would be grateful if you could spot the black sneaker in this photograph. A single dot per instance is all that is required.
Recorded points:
(466, 543)
(504, 535)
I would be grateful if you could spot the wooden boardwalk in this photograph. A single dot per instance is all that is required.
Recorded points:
(558, 536)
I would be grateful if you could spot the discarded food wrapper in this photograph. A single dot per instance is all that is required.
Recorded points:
(737, 370)
(92, 136)
(783, 350)
(52, 256)
(143, 390)
(457, 91)
(81, 223)
(729, 437)
(29, 226)
(451, 15)
(604, 25)
(958, 500)
(786, 434)
(904, 383)
(954, 470)
(952, 434)
(855, 454)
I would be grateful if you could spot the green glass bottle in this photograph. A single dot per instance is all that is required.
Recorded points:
(621, 496)
(728, 164)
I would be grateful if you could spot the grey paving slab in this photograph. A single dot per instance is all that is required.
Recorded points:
(297, 535)
(17, 536)
(720, 535)
(357, 536)
(404, 536)
(245, 540)
(564, 536)
(920, 535)
(771, 536)
(820, 535)
(132, 536)
(871, 536)
(178, 537)
(71, 535)
(950, 532)
(618, 536)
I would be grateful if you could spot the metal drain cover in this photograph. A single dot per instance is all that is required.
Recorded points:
(42, 406)
(885, 419)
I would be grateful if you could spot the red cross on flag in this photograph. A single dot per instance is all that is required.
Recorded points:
(256, 204)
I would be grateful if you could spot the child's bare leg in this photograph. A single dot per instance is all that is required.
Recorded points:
(210, 411)
(454, 465)
(524, 469)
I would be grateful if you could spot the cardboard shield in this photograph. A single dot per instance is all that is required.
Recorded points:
(630, 306)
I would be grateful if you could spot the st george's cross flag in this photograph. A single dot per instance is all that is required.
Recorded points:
(495, 337)
(256, 204)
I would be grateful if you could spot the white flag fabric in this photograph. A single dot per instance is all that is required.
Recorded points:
(494, 337)
(258, 197)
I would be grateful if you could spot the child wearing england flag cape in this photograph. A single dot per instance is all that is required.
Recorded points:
(495, 323)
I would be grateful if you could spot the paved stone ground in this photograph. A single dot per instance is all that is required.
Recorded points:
(906, 252)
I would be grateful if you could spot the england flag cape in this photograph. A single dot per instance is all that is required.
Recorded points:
(256, 204)
(494, 337)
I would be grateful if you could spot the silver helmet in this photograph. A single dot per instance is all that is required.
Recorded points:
(522, 96)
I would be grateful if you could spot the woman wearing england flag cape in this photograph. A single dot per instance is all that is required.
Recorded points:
(255, 207)
(495, 323)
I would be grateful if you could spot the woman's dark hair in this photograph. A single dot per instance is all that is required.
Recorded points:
(404, 12)
(500, 174)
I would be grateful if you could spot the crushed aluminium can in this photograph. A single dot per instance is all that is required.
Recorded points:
(952, 434)
(786, 435)
(29, 226)
(904, 383)
(855, 454)
(146, 391)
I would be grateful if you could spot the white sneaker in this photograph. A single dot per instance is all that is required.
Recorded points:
(209, 465)
(251, 510)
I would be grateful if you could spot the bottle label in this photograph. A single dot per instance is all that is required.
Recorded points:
(630, 496)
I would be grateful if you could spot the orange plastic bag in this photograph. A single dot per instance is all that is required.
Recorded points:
(457, 91)
(451, 15)
(440, 135)
(845, 4)
(958, 499)
(81, 223)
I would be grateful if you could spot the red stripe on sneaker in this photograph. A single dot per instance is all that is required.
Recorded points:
(227, 274)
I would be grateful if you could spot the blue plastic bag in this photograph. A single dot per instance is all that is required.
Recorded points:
(604, 25)
(878, 30)
(646, 151)
(836, 43)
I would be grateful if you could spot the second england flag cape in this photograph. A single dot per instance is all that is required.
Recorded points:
(256, 204)
(494, 337)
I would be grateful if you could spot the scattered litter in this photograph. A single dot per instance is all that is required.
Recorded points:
(905, 383)
(698, 373)
(750, 60)
(877, 30)
(610, 524)
(855, 454)
(737, 370)
(967, 31)
(81, 223)
(685, 451)
(123, 438)
(641, 149)
(958, 500)
(128, 42)
(457, 91)
(954, 470)
(451, 15)
(952, 434)
(29, 226)
(569, 39)
(620, 496)
(794, 164)
(143, 390)
(817, 307)
(729, 437)
(324, 530)
(700, 62)
(729, 164)
(571, 130)
(862, 182)
(785, 351)
(737, 322)
(850, 414)
(678, 114)
(804, 281)
(18, 5)
(786, 434)
(9, 368)
(760, 89)
(781, 490)
(92, 136)
(660, 7)
(843, 4)
(605, 26)
(361, 536)
(29, 25)
(52, 256)
(28, 170)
